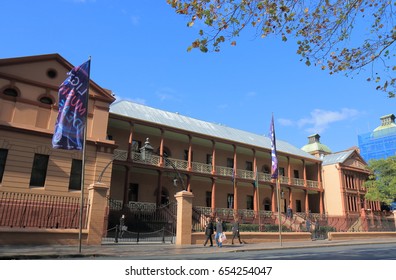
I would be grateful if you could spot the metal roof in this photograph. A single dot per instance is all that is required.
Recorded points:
(142, 112)
(335, 158)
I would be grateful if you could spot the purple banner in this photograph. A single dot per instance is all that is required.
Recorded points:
(73, 108)
(274, 165)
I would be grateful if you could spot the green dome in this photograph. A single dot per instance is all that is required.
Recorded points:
(314, 146)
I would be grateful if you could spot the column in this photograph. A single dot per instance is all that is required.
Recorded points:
(189, 168)
(306, 202)
(161, 160)
(184, 217)
(235, 182)
(97, 194)
(273, 200)
(130, 141)
(213, 157)
(213, 203)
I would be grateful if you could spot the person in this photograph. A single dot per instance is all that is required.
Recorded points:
(122, 225)
(316, 230)
(219, 231)
(235, 231)
(209, 229)
(289, 212)
(308, 225)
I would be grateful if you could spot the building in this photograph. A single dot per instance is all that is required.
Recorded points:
(381, 142)
(146, 155)
(343, 175)
(29, 167)
(216, 163)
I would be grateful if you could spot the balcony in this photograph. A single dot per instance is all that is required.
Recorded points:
(197, 167)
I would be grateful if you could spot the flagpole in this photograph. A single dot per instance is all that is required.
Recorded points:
(279, 212)
(258, 198)
(83, 167)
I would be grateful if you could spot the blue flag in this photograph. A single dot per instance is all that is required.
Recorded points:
(274, 158)
(73, 108)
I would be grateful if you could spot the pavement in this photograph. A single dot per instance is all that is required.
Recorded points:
(153, 250)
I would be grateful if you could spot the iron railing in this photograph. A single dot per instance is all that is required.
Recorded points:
(29, 210)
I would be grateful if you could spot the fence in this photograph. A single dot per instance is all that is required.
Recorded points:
(145, 222)
(28, 210)
(318, 224)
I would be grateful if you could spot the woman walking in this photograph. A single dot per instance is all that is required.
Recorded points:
(209, 229)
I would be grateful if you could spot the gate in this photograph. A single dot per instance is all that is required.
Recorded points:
(144, 222)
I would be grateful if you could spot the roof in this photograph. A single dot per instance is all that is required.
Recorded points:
(317, 146)
(164, 118)
(335, 158)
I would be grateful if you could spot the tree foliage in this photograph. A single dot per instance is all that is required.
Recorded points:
(382, 181)
(337, 35)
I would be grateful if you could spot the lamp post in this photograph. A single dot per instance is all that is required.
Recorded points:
(146, 154)
(146, 151)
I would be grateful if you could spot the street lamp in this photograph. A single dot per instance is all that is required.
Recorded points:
(146, 151)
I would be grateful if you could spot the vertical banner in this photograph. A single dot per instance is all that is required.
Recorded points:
(274, 158)
(73, 108)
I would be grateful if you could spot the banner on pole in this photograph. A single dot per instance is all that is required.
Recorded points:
(73, 108)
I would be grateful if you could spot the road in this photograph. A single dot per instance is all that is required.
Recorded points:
(347, 252)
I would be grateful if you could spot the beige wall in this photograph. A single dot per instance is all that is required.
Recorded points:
(332, 195)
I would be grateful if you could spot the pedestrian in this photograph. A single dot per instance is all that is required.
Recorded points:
(308, 225)
(122, 227)
(235, 231)
(289, 212)
(209, 229)
(219, 231)
(316, 230)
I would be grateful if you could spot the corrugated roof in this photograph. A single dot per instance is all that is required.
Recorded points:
(142, 112)
(335, 158)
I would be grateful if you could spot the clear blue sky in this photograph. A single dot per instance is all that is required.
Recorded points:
(138, 50)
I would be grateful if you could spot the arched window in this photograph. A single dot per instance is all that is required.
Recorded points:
(46, 100)
(10, 92)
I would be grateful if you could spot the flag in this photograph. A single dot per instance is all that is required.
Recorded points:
(274, 165)
(73, 108)
(256, 178)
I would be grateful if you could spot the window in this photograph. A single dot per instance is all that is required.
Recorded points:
(249, 166)
(3, 158)
(52, 73)
(281, 171)
(46, 100)
(186, 155)
(249, 202)
(265, 169)
(230, 200)
(230, 162)
(135, 145)
(209, 159)
(75, 175)
(133, 192)
(208, 199)
(39, 170)
(296, 174)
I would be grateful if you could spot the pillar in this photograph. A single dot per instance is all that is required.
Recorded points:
(184, 217)
(97, 193)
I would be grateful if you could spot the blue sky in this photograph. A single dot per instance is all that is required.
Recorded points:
(138, 50)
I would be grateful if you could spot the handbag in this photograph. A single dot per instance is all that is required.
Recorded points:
(222, 237)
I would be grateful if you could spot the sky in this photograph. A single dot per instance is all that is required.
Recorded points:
(138, 50)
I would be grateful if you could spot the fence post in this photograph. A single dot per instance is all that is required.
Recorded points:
(184, 217)
(96, 219)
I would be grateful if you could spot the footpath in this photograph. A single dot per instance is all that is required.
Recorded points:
(153, 250)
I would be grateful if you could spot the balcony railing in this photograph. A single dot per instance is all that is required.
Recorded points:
(203, 168)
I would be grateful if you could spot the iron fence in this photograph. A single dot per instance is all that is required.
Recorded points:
(29, 210)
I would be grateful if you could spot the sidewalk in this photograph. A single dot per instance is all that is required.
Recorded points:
(9, 252)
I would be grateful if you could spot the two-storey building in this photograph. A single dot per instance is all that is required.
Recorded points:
(215, 162)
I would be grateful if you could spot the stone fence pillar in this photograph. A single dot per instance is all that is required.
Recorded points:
(96, 217)
(184, 217)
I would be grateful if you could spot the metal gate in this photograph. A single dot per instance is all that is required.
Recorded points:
(143, 222)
